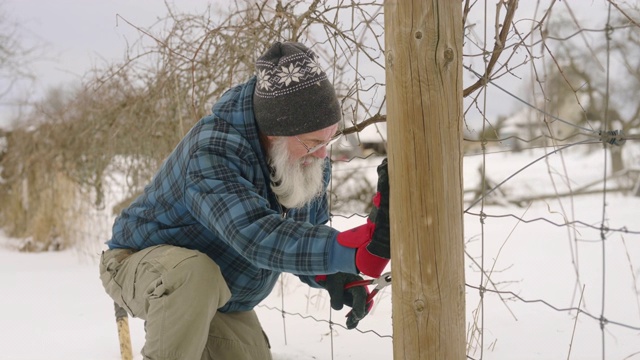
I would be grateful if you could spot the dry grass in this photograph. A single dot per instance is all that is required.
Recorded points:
(38, 201)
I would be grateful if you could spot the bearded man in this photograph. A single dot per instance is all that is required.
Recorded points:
(241, 199)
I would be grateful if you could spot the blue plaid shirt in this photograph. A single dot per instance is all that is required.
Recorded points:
(212, 194)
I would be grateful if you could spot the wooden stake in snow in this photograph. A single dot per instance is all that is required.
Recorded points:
(124, 335)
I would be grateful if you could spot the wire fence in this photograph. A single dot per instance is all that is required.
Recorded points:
(560, 193)
(619, 326)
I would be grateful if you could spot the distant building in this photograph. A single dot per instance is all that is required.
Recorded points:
(372, 139)
(530, 127)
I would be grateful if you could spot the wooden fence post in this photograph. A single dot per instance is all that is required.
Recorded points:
(423, 40)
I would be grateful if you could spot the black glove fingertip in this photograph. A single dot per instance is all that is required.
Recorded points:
(352, 322)
(337, 304)
(359, 302)
(336, 293)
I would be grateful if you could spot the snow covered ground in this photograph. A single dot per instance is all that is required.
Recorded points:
(53, 305)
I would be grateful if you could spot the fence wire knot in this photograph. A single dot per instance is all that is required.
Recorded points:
(603, 322)
(482, 290)
(612, 137)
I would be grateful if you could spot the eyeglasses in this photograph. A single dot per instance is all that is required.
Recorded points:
(315, 148)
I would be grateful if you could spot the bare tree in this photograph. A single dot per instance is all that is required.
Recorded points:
(130, 115)
(595, 79)
(15, 57)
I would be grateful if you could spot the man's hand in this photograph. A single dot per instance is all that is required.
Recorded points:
(355, 297)
(371, 240)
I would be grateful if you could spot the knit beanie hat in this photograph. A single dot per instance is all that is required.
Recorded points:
(293, 95)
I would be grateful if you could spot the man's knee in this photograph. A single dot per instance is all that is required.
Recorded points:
(161, 271)
(190, 271)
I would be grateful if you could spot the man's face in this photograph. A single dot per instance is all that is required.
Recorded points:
(298, 163)
(300, 145)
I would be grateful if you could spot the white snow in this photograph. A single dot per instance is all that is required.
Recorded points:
(54, 307)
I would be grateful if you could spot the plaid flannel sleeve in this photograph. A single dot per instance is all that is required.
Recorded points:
(220, 193)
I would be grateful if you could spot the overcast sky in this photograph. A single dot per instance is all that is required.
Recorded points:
(80, 33)
(76, 35)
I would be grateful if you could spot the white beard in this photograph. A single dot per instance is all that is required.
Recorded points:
(295, 185)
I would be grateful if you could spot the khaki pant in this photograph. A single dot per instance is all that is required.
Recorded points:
(177, 292)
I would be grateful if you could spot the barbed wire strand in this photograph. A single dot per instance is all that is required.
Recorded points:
(598, 318)
(331, 323)
(578, 309)
(567, 223)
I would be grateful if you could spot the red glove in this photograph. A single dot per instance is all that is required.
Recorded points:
(376, 228)
(358, 238)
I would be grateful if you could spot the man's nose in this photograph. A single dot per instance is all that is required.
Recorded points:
(320, 153)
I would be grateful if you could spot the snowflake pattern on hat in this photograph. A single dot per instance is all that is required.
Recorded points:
(287, 75)
(263, 80)
(292, 94)
(292, 73)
